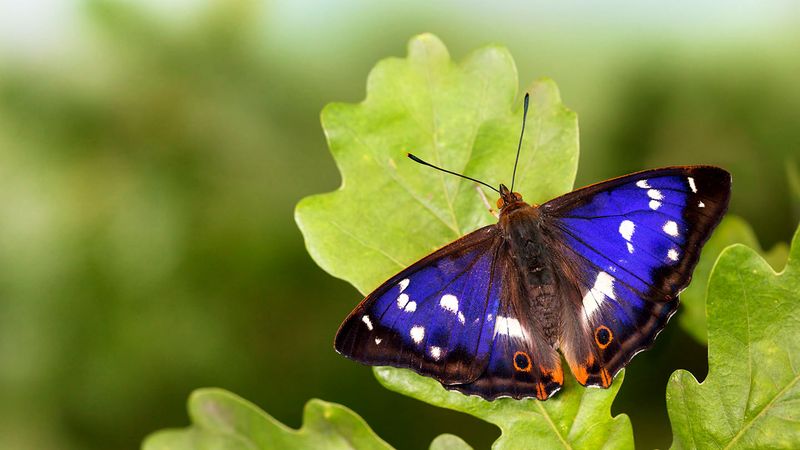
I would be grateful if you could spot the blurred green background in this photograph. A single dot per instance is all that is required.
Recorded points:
(152, 154)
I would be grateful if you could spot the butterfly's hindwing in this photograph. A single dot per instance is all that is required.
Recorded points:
(630, 245)
(522, 363)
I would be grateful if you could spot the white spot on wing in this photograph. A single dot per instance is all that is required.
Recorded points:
(643, 184)
(626, 229)
(672, 254)
(655, 204)
(605, 285)
(508, 326)
(411, 307)
(402, 300)
(378, 341)
(591, 302)
(594, 297)
(655, 194)
(692, 185)
(367, 322)
(701, 205)
(404, 284)
(671, 228)
(436, 352)
(449, 302)
(417, 333)
(461, 318)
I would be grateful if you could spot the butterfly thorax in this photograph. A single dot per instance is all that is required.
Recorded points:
(521, 228)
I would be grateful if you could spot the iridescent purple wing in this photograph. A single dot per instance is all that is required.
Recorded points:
(628, 247)
(432, 316)
(454, 316)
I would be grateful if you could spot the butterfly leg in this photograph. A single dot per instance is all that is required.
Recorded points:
(486, 202)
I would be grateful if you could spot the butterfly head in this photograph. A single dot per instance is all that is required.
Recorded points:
(508, 199)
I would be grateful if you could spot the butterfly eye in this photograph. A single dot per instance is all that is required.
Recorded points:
(517, 195)
(500, 203)
(603, 336)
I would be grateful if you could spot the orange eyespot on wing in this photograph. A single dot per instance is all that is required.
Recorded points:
(603, 336)
(522, 362)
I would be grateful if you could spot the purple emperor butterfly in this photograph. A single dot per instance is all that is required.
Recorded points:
(594, 274)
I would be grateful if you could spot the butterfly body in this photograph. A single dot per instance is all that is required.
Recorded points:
(523, 240)
(593, 275)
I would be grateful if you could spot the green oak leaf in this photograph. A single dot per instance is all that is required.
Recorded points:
(751, 397)
(223, 421)
(389, 211)
(575, 418)
(732, 230)
(465, 117)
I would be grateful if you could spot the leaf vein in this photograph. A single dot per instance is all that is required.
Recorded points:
(367, 245)
(552, 424)
(397, 180)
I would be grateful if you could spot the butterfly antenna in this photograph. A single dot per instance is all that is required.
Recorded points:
(519, 146)
(425, 163)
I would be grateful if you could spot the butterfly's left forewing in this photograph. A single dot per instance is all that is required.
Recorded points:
(627, 247)
(432, 316)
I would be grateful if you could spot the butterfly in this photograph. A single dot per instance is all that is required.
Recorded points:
(594, 274)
